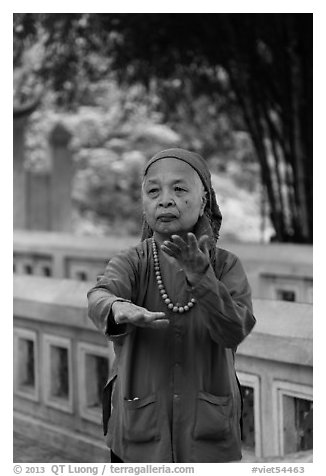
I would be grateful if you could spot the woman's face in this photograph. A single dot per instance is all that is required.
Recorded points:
(173, 197)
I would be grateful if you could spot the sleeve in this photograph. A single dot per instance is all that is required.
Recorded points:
(226, 303)
(119, 283)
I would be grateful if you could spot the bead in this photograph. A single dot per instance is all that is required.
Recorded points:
(160, 285)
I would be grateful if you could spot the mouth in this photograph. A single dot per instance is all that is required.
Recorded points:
(167, 217)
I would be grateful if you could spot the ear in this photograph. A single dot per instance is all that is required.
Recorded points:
(203, 203)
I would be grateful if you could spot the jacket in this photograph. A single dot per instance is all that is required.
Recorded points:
(173, 394)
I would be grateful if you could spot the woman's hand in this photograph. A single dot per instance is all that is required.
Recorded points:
(129, 313)
(192, 255)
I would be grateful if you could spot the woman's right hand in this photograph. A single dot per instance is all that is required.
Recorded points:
(128, 313)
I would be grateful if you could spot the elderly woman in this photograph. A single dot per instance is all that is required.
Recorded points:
(176, 307)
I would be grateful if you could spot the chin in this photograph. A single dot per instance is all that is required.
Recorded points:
(172, 231)
(166, 230)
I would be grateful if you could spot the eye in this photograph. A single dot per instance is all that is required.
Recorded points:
(152, 191)
(180, 189)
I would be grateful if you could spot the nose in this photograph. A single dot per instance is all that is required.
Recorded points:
(166, 200)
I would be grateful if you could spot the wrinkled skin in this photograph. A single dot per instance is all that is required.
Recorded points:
(129, 313)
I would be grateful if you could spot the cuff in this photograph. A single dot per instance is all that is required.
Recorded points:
(204, 285)
(112, 328)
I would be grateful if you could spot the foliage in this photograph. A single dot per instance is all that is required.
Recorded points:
(110, 149)
(267, 61)
(259, 64)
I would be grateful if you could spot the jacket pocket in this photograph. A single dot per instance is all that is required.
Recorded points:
(140, 419)
(213, 417)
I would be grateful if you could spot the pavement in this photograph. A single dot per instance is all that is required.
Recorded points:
(27, 450)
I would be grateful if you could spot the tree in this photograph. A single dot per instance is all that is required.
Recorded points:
(261, 64)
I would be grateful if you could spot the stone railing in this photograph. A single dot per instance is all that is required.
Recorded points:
(275, 271)
(61, 363)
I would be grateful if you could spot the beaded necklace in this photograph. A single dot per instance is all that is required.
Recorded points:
(162, 289)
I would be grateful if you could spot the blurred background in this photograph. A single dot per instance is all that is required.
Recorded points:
(95, 96)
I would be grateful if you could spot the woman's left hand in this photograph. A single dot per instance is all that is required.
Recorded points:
(192, 255)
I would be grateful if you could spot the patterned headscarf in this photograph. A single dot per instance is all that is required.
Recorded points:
(210, 222)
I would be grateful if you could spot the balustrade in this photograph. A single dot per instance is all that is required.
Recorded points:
(62, 361)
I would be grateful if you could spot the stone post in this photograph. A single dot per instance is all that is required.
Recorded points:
(38, 204)
(21, 114)
(19, 176)
(61, 179)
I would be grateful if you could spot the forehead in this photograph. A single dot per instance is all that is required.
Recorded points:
(172, 168)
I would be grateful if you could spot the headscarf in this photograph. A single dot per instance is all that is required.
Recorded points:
(210, 222)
